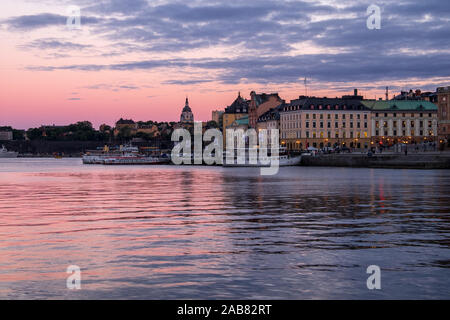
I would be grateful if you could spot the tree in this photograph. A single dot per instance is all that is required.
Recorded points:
(212, 125)
(34, 134)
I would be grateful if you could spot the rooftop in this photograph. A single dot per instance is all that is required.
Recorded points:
(125, 121)
(240, 105)
(400, 105)
(263, 97)
(314, 103)
(272, 114)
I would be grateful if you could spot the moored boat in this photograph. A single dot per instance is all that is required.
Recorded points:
(284, 160)
(135, 160)
(4, 153)
(125, 155)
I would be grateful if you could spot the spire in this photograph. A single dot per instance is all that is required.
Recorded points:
(187, 102)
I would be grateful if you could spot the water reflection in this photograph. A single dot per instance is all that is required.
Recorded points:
(193, 232)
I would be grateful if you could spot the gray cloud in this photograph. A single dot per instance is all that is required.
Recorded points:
(37, 21)
(413, 41)
(186, 82)
(58, 44)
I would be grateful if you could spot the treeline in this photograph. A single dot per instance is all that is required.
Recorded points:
(84, 131)
(80, 131)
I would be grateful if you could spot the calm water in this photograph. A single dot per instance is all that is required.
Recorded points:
(197, 232)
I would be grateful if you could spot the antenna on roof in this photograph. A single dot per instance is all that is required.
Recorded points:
(306, 88)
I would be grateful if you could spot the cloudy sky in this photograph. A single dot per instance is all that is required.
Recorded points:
(139, 59)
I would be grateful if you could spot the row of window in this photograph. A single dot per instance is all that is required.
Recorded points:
(326, 107)
(298, 116)
(297, 125)
(337, 135)
(404, 115)
(403, 133)
(322, 135)
(403, 124)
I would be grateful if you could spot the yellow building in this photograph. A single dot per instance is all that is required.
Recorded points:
(403, 121)
(324, 122)
(237, 110)
(125, 126)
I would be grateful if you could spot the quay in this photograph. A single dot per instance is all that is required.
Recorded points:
(430, 160)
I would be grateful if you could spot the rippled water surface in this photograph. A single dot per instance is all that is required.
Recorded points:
(208, 232)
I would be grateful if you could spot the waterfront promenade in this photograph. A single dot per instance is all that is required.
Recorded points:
(419, 160)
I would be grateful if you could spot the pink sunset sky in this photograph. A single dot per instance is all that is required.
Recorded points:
(140, 59)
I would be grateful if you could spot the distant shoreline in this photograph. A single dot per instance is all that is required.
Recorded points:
(432, 160)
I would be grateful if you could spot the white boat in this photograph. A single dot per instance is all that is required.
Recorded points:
(135, 160)
(283, 160)
(126, 155)
(7, 154)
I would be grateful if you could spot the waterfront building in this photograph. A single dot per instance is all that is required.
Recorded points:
(444, 113)
(325, 122)
(270, 121)
(6, 135)
(187, 117)
(402, 121)
(417, 95)
(238, 109)
(241, 123)
(217, 116)
(150, 129)
(125, 125)
(260, 104)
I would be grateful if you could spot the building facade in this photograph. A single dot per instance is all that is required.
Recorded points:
(125, 126)
(325, 122)
(406, 121)
(6, 135)
(444, 113)
(260, 104)
(237, 110)
(270, 121)
(217, 116)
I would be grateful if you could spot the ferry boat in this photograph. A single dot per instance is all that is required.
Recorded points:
(7, 154)
(284, 160)
(130, 160)
(125, 155)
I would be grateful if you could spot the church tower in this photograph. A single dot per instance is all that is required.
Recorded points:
(186, 114)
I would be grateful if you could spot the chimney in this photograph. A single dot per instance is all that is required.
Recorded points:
(355, 92)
